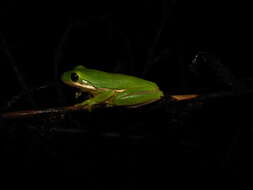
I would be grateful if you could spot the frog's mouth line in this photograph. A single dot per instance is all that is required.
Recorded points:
(83, 87)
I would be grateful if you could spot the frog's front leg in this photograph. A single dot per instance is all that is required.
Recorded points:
(98, 99)
(136, 97)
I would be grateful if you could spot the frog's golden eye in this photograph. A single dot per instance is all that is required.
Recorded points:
(74, 77)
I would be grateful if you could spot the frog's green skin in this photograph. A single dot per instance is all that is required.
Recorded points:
(111, 89)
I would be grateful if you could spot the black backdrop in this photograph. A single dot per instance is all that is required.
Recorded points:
(121, 147)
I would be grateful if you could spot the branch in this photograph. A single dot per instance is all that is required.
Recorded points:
(172, 99)
(30, 113)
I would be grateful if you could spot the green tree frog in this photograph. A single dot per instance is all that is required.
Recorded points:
(111, 89)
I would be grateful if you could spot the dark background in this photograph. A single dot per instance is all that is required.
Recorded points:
(121, 147)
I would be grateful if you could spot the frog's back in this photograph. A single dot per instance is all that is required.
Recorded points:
(103, 79)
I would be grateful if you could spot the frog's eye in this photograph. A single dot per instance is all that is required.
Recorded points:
(74, 77)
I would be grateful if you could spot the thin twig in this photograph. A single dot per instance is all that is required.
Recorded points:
(20, 95)
(59, 54)
(167, 13)
(14, 66)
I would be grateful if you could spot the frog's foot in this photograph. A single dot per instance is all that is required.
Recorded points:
(78, 94)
